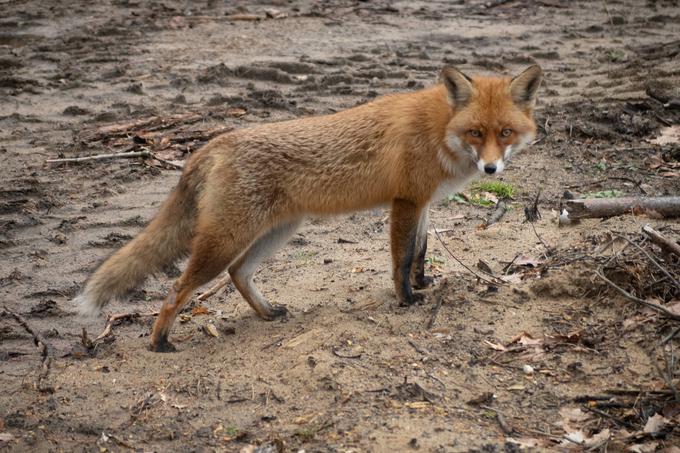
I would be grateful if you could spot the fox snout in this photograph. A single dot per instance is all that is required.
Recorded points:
(491, 167)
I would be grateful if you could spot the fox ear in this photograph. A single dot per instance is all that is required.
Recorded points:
(524, 87)
(458, 85)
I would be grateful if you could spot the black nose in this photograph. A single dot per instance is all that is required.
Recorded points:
(490, 169)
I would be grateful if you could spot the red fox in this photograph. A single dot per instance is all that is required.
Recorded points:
(245, 193)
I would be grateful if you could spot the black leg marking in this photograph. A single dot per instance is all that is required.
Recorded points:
(421, 280)
(407, 297)
(163, 345)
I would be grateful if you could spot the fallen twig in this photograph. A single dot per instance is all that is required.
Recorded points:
(666, 207)
(498, 213)
(496, 280)
(167, 162)
(650, 258)
(418, 349)
(438, 304)
(666, 244)
(125, 155)
(670, 336)
(153, 123)
(667, 377)
(540, 239)
(128, 155)
(435, 312)
(616, 420)
(638, 391)
(43, 347)
(215, 288)
(628, 295)
(116, 317)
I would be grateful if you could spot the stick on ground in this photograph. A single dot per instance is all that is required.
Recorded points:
(498, 213)
(666, 207)
(651, 305)
(659, 239)
(41, 381)
(215, 288)
(116, 317)
(129, 155)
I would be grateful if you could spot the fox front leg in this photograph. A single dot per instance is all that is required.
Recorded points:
(418, 278)
(404, 231)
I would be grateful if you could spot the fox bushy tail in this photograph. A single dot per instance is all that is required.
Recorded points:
(166, 239)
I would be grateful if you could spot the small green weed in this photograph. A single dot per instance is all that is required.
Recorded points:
(499, 188)
(432, 260)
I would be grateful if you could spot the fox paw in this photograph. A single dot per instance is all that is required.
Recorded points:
(162, 346)
(423, 282)
(415, 298)
(277, 311)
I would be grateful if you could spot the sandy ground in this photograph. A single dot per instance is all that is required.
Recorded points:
(348, 370)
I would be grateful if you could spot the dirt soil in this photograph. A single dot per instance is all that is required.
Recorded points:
(501, 367)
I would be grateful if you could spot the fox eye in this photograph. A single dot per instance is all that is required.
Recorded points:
(506, 132)
(475, 133)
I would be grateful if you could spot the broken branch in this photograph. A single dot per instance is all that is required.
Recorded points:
(215, 288)
(42, 345)
(440, 298)
(496, 281)
(116, 317)
(666, 207)
(498, 213)
(659, 239)
(628, 295)
(101, 157)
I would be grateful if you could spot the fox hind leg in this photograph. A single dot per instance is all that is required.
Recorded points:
(243, 269)
(210, 255)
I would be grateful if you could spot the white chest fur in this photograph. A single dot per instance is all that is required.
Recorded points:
(461, 171)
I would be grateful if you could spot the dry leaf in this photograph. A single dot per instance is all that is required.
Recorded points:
(655, 423)
(211, 330)
(571, 418)
(484, 267)
(674, 306)
(6, 437)
(495, 346)
(575, 438)
(647, 447)
(199, 310)
(671, 449)
(524, 260)
(512, 278)
(671, 409)
(303, 338)
(669, 136)
(526, 339)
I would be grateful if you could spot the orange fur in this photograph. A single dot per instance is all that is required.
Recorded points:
(245, 192)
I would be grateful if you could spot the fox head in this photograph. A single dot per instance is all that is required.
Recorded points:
(492, 116)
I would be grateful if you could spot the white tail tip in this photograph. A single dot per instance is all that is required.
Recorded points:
(86, 306)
